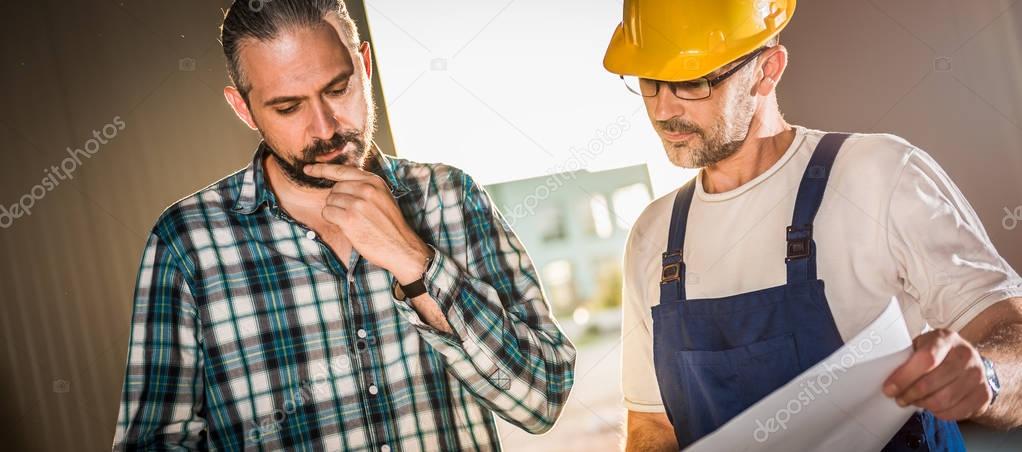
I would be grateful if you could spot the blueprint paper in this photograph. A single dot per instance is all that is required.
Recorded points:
(837, 405)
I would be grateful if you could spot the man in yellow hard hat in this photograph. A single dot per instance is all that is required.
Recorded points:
(716, 322)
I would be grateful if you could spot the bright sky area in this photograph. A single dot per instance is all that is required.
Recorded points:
(511, 89)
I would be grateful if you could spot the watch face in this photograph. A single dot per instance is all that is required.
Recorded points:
(991, 374)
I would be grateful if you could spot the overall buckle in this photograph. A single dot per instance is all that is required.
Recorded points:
(671, 273)
(673, 267)
(800, 242)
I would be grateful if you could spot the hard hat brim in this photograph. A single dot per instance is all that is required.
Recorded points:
(662, 58)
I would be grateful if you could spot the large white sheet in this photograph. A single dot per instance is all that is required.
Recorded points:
(837, 405)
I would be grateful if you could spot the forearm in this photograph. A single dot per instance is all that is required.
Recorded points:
(1003, 346)
(647, 435)
(429, 311)
(647, 440)
(513, 358)
(503, 344)
(412, 265)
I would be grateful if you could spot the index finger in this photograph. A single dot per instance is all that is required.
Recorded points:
(335, 172)
(930, 352)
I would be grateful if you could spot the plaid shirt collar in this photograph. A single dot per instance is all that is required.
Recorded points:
(255, 191)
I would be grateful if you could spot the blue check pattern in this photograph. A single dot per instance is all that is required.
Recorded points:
(248, 333)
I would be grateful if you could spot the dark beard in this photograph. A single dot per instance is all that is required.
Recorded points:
(295, 171)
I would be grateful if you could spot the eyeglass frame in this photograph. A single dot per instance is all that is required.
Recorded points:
(709, 82)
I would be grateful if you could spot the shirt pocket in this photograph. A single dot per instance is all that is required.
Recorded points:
(718, 385)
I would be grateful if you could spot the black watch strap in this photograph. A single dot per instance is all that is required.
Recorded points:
(414, 288)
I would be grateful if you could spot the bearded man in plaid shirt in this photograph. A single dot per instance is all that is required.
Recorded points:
(327, 297)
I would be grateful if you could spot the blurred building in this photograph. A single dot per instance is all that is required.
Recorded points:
(574, 225)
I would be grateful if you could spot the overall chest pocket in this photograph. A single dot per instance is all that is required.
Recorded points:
(718, 385)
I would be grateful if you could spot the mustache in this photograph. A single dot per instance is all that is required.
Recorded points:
(678, 125)
(337, 141)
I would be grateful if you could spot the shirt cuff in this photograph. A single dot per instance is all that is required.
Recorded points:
(982, 304)
(443, 280)
(424, 328)
(644, 407)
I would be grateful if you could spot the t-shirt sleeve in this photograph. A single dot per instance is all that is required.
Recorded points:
(946, 261)
(638, 377)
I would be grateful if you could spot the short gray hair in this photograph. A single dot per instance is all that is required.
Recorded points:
(264, 20)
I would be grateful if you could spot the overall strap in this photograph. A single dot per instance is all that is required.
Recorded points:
(672, 277)
(801, 254)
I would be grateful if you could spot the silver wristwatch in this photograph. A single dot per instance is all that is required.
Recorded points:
(991, 376)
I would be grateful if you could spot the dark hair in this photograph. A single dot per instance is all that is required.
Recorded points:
(264, 20)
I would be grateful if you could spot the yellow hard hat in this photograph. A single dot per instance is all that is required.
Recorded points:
(677, 40)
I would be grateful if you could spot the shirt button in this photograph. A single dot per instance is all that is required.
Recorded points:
(373, 389)
(361, 333)
(311, 235)
(385, 448)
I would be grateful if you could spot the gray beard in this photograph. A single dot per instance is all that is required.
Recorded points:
(721, 141)
(712, 154)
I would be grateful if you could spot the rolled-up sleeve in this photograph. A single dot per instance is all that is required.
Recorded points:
(506, 347)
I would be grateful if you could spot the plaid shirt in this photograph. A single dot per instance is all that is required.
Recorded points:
(248, 333)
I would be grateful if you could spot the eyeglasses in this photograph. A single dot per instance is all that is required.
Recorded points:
(697, 89)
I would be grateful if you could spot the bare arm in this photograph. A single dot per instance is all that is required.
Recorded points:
(649, 432)
(945, 373)
(997, 333)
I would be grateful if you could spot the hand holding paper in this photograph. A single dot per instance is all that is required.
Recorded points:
(836, 405)
(944, 375)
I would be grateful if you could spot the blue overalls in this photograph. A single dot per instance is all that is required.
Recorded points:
(716, 357)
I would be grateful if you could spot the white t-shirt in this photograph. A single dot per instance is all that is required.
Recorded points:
(892, 223)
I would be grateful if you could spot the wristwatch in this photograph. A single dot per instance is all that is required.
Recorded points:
(414, 288)
(991, 375)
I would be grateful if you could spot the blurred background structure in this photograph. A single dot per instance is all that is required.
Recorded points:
(512, 91)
